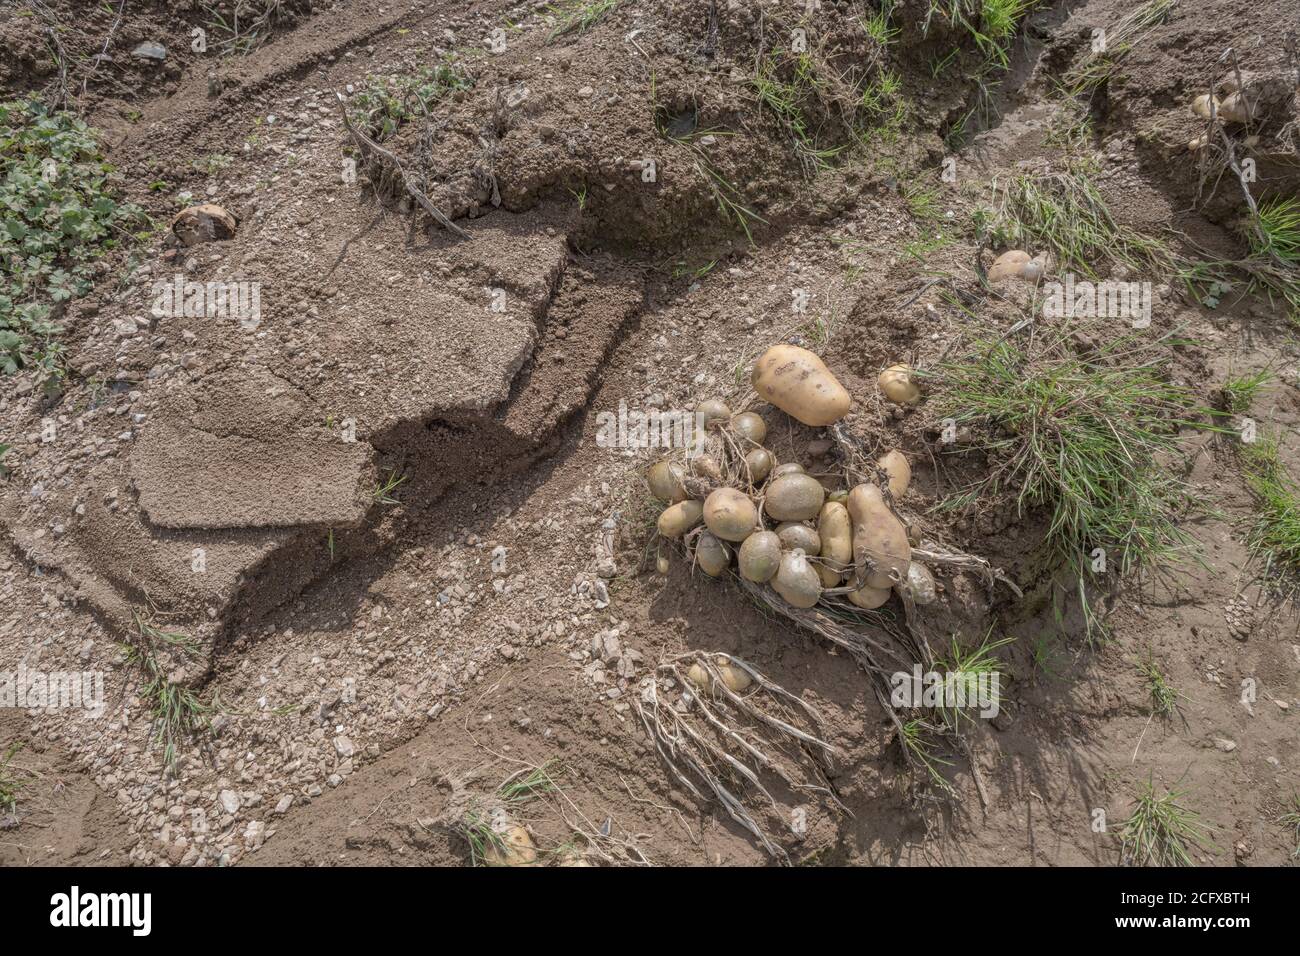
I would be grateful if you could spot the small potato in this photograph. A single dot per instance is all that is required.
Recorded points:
(796, 581)
(1033, 270)
(896, 382)
(880, 545)
(836, 530)
(794, 497)
(1197, 143)
(516, 849)
(760, 463)
(706, 466)
(1234, 109)
(760, 557)
(1201, 105)
(839, 495)
(869, 598)
(661, 564)
(899, 471)
(920, 582)
(730, 514)
(665, 480)
(736, 678)
(1009, 265)
(712, 410)
(680, 518)
(749, 427)
(796, 534)
(799, 383)
(789, 468)
(712, 555)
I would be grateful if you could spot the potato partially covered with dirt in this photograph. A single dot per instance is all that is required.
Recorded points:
(896, 382)
(799, 383)
(879, 539)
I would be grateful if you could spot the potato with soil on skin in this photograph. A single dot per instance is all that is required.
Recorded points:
(665, 481)
(730, 514)
(896, 382)
(680, 518)
(1010, 265)
(749, 427)
(794, 497)
(1201, 105)
(760, 463)
(899, 472)
(705, 466)
(736, 678)
(797, 581)
(516, 848)
(869, 598)
(799, 383)
(796, 534)
(880, 545)
(760, 557)
(712, 555)
(920, 583)
(789, 468)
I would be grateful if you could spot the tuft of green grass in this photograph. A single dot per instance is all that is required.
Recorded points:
(1082, 436)
(1063, 212)
(1164, 698)
(917, 738)
(61, 214)
(1279, 231)
(177, 712)
(579, 16)
(1275, 535)
(1161, 831)
(1098, 66)
(1238, 393)
(383, 493)
(965, 668)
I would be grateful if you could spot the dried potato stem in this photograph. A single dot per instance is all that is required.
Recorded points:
(691, 752)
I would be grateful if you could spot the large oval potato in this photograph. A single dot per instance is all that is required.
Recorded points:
(799, 383)
(730, 514)
(836, 530)
(794, 496)
(879, 539)
(680, 518)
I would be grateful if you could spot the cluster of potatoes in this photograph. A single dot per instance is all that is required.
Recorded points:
(1233, 107)
(788, 532)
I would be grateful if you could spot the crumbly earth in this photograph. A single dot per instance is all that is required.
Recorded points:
(385, 517)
